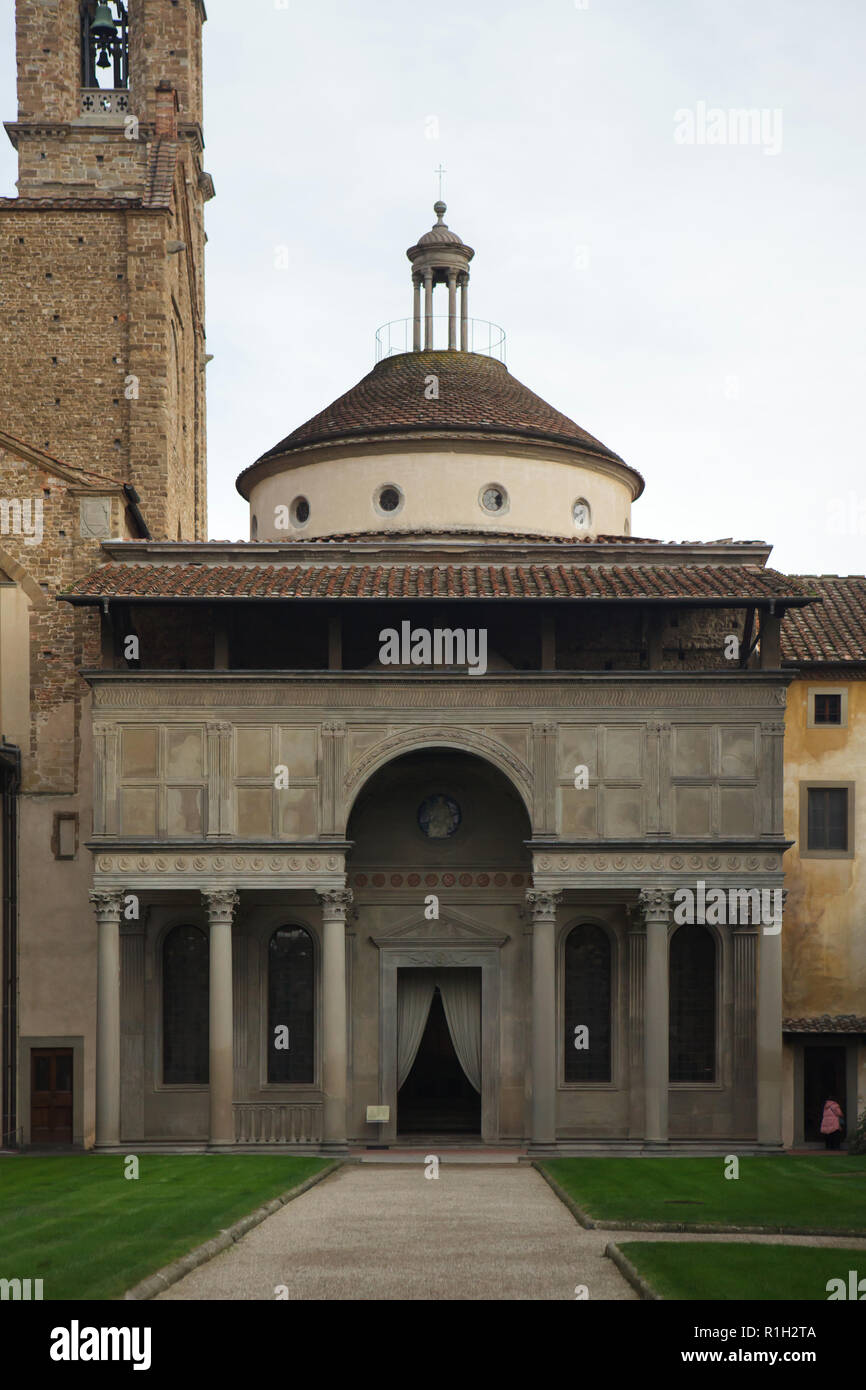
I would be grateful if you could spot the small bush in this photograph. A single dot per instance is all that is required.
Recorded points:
(857, 1139)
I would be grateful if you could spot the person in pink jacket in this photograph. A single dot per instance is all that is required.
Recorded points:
(831, 1123)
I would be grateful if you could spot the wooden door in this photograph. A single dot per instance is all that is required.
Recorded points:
(51, 1095)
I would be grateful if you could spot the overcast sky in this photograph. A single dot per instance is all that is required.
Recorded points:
(697, 306)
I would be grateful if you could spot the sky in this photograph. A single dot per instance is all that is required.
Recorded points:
(685, 283)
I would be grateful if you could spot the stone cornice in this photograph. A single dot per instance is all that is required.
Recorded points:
(471, 548)
(210, 869)
(541, 694)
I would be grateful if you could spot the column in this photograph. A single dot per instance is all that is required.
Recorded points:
(636, 1026)
(452, 308)
(335, 905)
(542, 907)
(108, 907)
(744, 968)
(464, 312)
(770, 1036)
(416, 313)
(221, 904)
(656, 907)
(428, 310)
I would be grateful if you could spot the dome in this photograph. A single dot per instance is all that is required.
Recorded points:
(476, 395)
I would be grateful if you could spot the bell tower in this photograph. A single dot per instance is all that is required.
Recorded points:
(102, 252)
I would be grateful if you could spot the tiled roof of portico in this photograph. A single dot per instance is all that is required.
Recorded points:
(714, 584)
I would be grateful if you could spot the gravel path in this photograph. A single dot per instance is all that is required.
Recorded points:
(371, 1232)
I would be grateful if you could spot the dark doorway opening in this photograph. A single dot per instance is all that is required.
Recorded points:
(51, 1095)
(437, 1097)
(823, 1076)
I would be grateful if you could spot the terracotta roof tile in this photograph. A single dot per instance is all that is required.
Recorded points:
(833, 631)
(826, 1023)
(476, 393)
(701, 583)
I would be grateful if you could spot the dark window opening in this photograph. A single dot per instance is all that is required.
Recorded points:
(828, 818)
(692, 1005)
(828, 709)
(587, 1004)
(185, 1007)
(291, 1007)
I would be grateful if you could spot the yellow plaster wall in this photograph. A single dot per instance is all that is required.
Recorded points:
(824, 942)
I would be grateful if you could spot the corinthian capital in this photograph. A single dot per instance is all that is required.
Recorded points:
(655, 904)
(542, 904)
(335, 903)
(107, 904)
(221, 904)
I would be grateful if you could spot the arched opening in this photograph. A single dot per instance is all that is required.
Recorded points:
(439, 868)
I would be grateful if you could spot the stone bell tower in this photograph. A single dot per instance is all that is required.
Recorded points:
(102, 349)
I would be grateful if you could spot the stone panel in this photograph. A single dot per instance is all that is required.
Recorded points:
(138, 811)
(184, 756)
(297, 812)
(578, 812)
(139, 755)
(737, 810)
(254, 818)
(253, 757)
(692, 810)
(623, 807)
(183, 811)
(691, 751)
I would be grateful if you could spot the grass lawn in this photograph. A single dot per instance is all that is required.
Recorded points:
(77, 1223)
(827, 1192)
(700, 1270)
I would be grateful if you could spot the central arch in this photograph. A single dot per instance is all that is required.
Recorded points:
(439, 866)
(477, 743)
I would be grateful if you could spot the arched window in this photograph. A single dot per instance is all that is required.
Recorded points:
(693, 1005)
(185, 1003)
(104, 44)
(290, 1006)
(587, 1004)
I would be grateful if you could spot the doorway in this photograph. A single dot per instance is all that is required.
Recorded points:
(823, 1076)
(51, 1095)
(437, 1096)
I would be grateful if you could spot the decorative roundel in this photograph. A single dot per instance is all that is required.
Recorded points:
(439, 816)
(389, 499)
(494, 498)
(300, 511)
(582, 514)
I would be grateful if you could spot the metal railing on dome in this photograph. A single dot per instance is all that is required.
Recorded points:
(484, 337)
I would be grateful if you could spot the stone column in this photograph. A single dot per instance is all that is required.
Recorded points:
(335, 905)
(636, 1026)
(221, 904)
(428, 310)
(656, 906)
(744, 968)
(542, 907)
(464, 313)
(769, 1037)
(416, 313)
(108, 907)
(452, 308)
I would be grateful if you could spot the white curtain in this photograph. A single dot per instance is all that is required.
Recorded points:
(414, 997)
(461, 999)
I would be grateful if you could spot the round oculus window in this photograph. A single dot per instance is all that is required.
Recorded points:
(581, 513)
(439, 816)
(389, 499)
(494, 498)
(300, 511)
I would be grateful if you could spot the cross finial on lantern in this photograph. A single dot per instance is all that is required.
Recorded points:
(441, 171)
